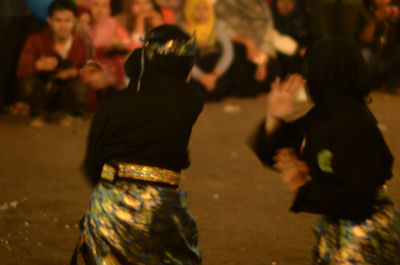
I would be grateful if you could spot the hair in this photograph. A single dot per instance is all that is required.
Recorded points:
(128, 19)
(60, 5)
(80, 10)
(334, 68)
(126, 5)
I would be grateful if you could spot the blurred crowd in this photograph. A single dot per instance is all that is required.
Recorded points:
(62, 65)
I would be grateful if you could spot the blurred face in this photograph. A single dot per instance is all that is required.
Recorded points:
(381, 2)
(62, 23)
(140, 6)
(84, 20)
(285, 7)
(201, 12)
(100, 9)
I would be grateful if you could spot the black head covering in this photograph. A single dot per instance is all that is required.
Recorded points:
(335, 68)
(167, 49)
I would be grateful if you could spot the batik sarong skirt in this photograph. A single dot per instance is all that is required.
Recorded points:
(374, 241)
(130, 222)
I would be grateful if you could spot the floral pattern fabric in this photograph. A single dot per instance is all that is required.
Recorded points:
(370, 242)
(133, 223)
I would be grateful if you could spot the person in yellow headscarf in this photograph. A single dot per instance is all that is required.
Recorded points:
(216, 49)
(200, 19)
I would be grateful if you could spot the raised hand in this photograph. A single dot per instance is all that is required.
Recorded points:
(281, 99)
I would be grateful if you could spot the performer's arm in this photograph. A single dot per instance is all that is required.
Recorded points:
(270, 138)
(274, 133)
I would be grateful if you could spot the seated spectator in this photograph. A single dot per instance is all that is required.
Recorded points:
(378, 36)
(115, 37)
(171, 10)
(216, 50)
(250, 25)
(290, 19)
(137, 18)
(108, 48)
(98, 77)
(16, 23)
(332, 18)
(83, 26)
(49, 65)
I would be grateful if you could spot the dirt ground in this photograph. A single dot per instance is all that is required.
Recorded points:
(241, 207)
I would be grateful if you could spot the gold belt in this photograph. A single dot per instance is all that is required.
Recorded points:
(139, 172)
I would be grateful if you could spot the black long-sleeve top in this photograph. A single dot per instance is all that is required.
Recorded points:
(345, 152)
(151, 127)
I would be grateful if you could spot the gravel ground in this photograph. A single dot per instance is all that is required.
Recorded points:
(241, 207)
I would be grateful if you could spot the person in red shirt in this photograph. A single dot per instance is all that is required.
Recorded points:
(49, 65)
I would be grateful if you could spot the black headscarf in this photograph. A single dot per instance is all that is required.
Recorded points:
(151, 126)
(335, 69)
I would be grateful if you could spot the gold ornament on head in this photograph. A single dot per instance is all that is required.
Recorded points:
(152, 46)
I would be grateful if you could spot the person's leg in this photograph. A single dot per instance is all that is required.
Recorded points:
(32, 92)
(370, 58)
(207, 64)
(74, 97)
(347, 17)
(388, 67)
(390, 59)
(10, 33)
(31, 99)
(276, 68)
(13, 34)
(242, 83)
(375, 240)
(322, 19)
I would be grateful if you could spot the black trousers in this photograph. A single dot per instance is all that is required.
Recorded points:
(333, 18)
(44, 95)
(242, 82)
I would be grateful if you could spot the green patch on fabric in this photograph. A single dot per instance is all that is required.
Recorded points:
(325, 161)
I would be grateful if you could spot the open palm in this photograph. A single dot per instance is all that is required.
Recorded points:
(281, 98)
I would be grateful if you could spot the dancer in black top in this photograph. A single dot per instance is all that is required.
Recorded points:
(137, 148)
(334, 157)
